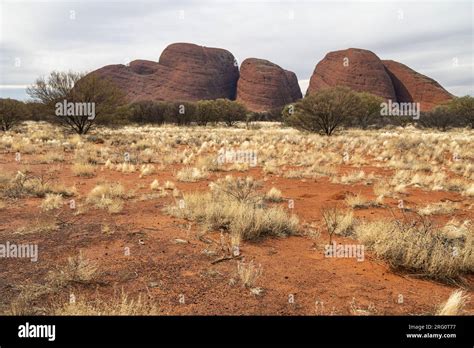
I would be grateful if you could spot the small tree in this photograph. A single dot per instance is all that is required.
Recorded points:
(440, 118)
(229, 111)
(332, 220)
(369, 110)
(323, 111)
(12, 112)
(463, 109)
(206, 112)
(73, 87)
(180, 112)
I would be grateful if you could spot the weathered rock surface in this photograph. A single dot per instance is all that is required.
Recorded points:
(411, 86)
(185, 72)
(358, 69)
(188, 72)
(263, 85)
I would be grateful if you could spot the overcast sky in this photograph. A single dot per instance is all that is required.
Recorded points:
(36, 37)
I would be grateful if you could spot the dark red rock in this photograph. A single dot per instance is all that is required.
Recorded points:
(411, 86)
(358, 69)
(264, 86)
(184, 72)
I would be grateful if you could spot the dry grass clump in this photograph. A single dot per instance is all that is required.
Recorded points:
(83, 169)
(273, 195)
(382, 189)
(233, 206)
(419, 246)
(107, 196)
(354, 177)
(469, 192)
(77, 270)
(42, 224)
(271, 168)
(358, 201)
(244, 190)
(248, 273)
(319, 170)
(117, 305)
(26, 302)
(191, 174)
(51, 157)
(337, 221)
(454, 305)
(169, 185)
(209, 163)
(125, 167)
(438, 208)
(52, 201)
(24, 184)
(147, 169)
(155, 185)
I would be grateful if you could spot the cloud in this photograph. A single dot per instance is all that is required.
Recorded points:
(85, 35)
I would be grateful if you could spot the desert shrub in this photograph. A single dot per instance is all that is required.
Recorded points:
(337, 221)
(12, 112)
(230, 111)
(116, 305)
(273, 195)
(232, 207)
(323, 111)
(24, 184)
(367, 112)
(83, 169)
(191, 174)
(463, 109)
(419, 246)
(454, 304)
(107, 196)
(180, 113)
(78, 269)
(358, 201)
(52, 201)
(248, 273)
(73, 87)
(244, 190)
(441, 118)
(148, 112)
(38, 112)
(206, 112)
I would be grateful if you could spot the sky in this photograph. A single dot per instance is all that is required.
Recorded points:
(435, 38)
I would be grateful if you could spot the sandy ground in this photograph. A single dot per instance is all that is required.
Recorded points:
(297, 279)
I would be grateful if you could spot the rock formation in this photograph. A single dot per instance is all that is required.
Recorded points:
(185, 72)
(263, 85)
(188, 72)
(358, 69)
(411, 86)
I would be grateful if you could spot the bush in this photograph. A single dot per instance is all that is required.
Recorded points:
(441, 118)
(12, 112)
(323, 111)
(229, 111)
(231, 206)
(368, 111)
(70, 87)
(463, 110)
(207, 112)
(419, 246)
